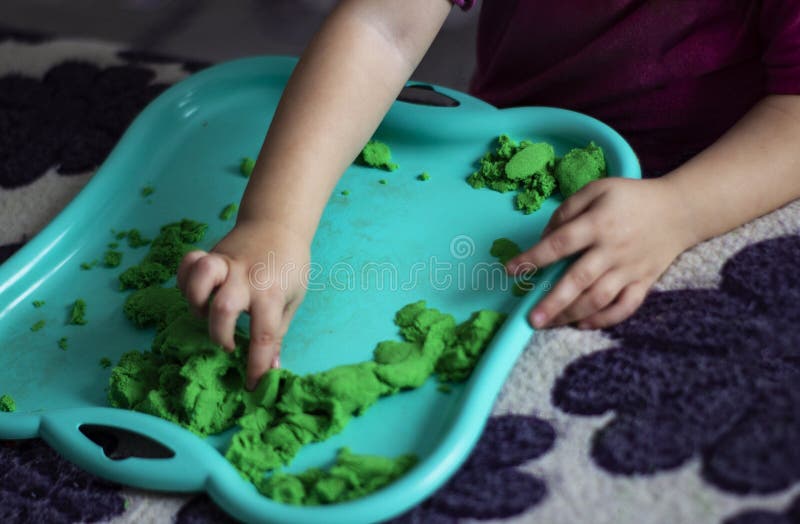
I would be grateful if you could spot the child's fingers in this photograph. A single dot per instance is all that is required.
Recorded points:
(561, 243)
(231, 299)
(571, 208)
(202, 277)
(580, 276)
(185, 266)
(626, 304)
(266, 333)
(594, 299)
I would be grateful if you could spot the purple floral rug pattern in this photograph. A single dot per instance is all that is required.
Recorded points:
(790, 516)
(707, 372)
(70, 118)
(37, 486)
(489, 485)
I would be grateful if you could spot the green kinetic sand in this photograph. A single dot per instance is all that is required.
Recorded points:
(533, 171)
(377, 154)
(520, 289)
(105, 363)
(228, 211)
(78, 313)
(7, 404)
(62, 343)
(148, 190)
(423, 177)
(531, 160)
(154, 306)
(504, 249)
(247, 166)
(38, 325)
(88, 265)
(188, 379)
(579, 167)
(351, 477)
(135, 238)
(38, 303)
(166, 251)
(112, 258)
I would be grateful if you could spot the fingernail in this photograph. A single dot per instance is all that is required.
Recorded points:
(539, 319)
(583, 325)
(251, 384)
(276, 362)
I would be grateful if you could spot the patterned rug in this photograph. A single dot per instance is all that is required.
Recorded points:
(689, 412)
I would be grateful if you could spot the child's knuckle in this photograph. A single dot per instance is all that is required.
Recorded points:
(601, 297)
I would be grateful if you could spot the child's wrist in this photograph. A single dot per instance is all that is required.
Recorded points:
(266, 222)
(687, 211)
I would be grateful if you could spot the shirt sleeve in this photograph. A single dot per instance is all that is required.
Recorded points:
(780, 31)
(464, 4)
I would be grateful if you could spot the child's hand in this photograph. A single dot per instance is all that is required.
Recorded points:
(258, 267)
(627, 231)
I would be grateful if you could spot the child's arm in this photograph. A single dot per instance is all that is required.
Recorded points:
(340, 90)
(630, 231)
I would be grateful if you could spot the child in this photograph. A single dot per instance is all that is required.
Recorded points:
(705, 90)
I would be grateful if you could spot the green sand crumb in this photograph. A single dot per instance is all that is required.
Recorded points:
(345, 192)
(105, 362)
(228, 211)
(113, 245)
(352, 476)
(62, 343)
(579, 167)
(39, 324)
(383, 181)
(148, 190)
(78, 313)
(88, 265)
(135, 239)
(120, 235)
(444, 388)
(112, 258)
(166, 251)
(424, 176)
(38, 303)
(186, 378)
(521, 288)
(7, 404)
(377, 154)
(247, 166)
(533, 171)
(154, 306)
(525, 167)
(504, 249)
(532, 160)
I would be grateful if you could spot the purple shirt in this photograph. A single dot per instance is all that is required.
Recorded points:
(670, 75)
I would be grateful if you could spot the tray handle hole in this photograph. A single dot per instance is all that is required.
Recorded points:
(426, 95)
(119, 444)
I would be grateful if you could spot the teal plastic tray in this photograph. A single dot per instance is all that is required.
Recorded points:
(426, 240)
